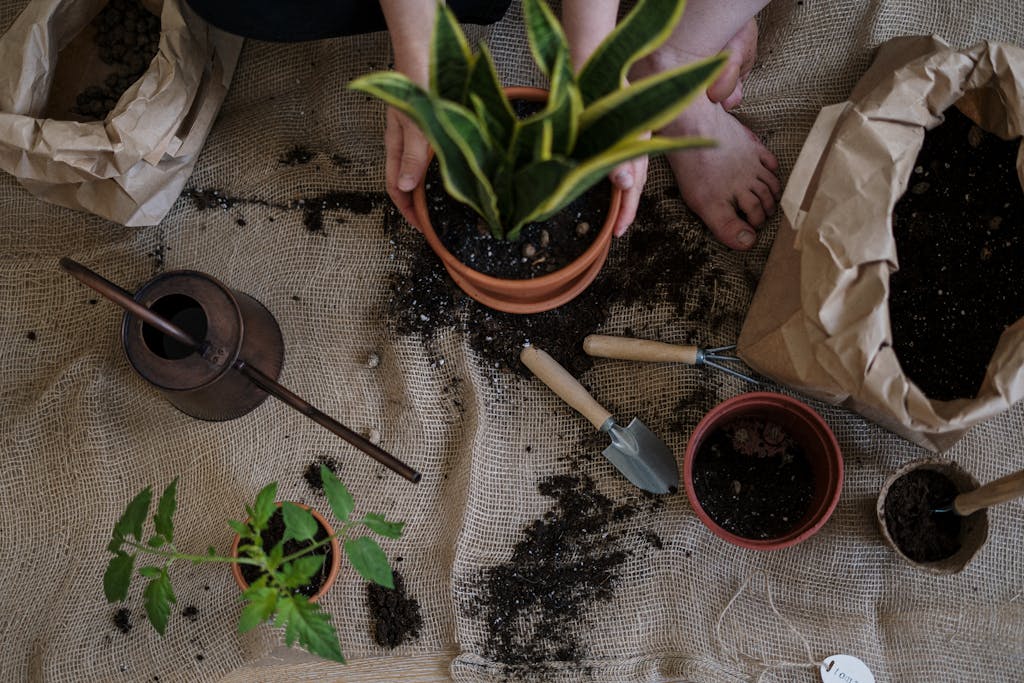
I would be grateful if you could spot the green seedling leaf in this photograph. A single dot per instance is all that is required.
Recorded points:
(157, 599)
(156, 541)
(134, 516)
(370, 561)
(338, 496)
(239, 528)
(118, 576)
(150, 572)
(264, 507)
(261, 603)
(376, 523)
(305, 622)
(299, 523)
(300, 571)
(163, 521)
(211, 551)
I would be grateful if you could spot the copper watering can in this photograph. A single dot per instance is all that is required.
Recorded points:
(214, 353)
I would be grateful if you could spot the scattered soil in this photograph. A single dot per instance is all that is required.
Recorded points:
(312, 207)
(959, 234)
(127, 38)
(919, 533)
(535, 605)
(122, 620)
(541, 248)
(753, 479)
(396, 615)
(312, 473)
(191, 612)
(273, 534)
(296, 156)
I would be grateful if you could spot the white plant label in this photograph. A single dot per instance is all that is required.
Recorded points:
(845, 669)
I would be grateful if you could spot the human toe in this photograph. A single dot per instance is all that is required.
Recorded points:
(728, 228)
(750, 204)
(765, 195)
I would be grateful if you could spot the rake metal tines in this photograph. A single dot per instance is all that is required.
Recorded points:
(716, 357)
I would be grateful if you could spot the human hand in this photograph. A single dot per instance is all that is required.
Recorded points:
(405, 161)
(629, 177)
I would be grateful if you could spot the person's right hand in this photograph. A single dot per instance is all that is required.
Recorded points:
(405, 163)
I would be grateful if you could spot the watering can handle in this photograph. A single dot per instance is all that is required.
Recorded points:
(627, 348)
(999, 491)
(565, 385)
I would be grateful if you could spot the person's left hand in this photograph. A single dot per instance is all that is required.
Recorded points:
(405, 163)
(629, 177)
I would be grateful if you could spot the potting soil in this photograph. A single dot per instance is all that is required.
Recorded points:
(910, 504)
(516, 500)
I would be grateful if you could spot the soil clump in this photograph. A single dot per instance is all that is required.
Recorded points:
(959, 233)
(396, 615)
(753, 479)
(312, 472)
(274, 533)
(919, 533)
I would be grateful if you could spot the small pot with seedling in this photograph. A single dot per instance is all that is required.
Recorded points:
(518, 171)
(763, 471)
(284, 557)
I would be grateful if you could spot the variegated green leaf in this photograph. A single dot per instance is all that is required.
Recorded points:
(450, 57)
(646, 27)
(547, 40)
(645, 105)
(489, 101)
(470, 138)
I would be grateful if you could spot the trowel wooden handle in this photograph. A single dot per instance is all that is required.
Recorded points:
(565, 385)
(627, 348)
(999, 491)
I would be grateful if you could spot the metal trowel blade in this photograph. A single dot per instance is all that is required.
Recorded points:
(642, 457)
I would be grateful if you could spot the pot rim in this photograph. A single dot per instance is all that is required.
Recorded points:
(827, 445)
(332, 574)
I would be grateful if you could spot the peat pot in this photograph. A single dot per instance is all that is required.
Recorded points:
(532, 295)
(736, 450)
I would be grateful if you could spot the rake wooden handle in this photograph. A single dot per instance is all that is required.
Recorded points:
(627, 348)
(564, 385)
(999, 491)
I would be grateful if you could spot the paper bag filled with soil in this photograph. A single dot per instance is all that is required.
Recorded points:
(116, 136)
(820, 320)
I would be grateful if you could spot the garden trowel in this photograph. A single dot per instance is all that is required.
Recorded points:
(635, 451)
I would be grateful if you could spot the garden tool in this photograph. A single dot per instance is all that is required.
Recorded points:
(999, 491)
(635, 450)
(627, 348)
(234, 366)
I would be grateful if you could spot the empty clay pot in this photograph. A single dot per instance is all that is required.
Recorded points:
(807, 428)
(334, 559)
(531, 295)
(973, 527)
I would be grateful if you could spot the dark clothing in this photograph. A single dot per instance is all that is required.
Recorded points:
(289, 21)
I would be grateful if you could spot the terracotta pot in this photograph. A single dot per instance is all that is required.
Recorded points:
(973, 528)
(808, 429)
(335, 559)
(531, 295)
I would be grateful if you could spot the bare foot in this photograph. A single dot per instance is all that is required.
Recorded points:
(733, 186)
(727, 89)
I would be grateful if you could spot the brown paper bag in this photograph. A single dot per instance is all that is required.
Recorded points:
(131, 167)
(819, 321)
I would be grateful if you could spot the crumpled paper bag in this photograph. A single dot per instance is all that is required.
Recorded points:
(131, 167)
(819, 320)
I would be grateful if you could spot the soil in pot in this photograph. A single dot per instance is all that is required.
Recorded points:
(274, 533)
(959, 232)
(541, 247)
(919, 533)
(753, 479)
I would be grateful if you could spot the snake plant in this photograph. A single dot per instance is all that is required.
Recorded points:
(515, 171)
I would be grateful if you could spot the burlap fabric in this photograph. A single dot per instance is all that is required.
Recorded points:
(81, 433)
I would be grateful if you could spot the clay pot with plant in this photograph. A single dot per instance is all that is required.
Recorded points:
(763, 471)
(517, 172)
(284, 557)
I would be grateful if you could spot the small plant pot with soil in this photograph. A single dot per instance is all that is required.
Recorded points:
(763, 471)
(321, 582)
(527, 293)
(934, 542)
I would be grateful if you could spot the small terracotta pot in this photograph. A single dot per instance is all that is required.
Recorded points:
(808, 429)
(973, 528)
(532, 295)
(332, 573)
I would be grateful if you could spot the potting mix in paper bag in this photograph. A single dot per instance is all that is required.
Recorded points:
(820, 320)
(131, 166)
